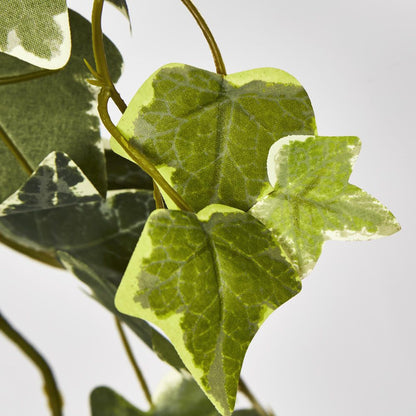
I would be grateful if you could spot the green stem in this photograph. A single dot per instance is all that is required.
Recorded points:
(102, 74)
(16, 153)
(100, 56)
(50, 386)
(157, 196)
(26, 77)
(215, 50)
(244, 389)
(134, 154)
(133, 362)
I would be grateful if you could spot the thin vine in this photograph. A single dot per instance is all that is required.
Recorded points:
(108, 90)
(50, 386)
(133, 362)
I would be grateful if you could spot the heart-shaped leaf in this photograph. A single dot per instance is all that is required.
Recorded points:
(52, 113)
(312, 200)
(209, 135)
(36, 32)
(208, 281)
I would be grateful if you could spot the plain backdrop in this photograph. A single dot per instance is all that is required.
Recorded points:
(345, 345)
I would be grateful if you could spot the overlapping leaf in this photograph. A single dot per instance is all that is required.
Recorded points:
(312, 200)
(208, 281)
(58, 211)
(36, 31)
(178, 395)
(51, 113)
(210, 135)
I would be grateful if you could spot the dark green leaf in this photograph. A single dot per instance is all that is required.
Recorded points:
(106, 402)
(312, 200)
(208, 281)
(210, 135)
(36, 31)
(52, 113)
(58, 211)
(124, 174)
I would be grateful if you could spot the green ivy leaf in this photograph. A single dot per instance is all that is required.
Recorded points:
(36, 32)
(54, 112)
(59, 212)
(210, 135)
(312, 200)
(59, 209)
(124, 174)
(208, 281)
(106, 402)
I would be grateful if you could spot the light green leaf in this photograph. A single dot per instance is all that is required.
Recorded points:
(208, 281)
(210, 135)
(106, 402)
(59, 212)
(52, 113)
(36, 31)
(312, 200)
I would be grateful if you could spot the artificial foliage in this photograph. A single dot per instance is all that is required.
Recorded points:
(212, 208)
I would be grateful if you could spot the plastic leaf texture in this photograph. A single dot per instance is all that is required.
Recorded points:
(36, 32)
(209, 135)
(312, 200)
(53, 112)
(208, 281)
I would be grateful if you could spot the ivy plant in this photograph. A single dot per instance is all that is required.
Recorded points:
(212, 206)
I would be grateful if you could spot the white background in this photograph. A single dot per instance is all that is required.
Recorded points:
(345, 345)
